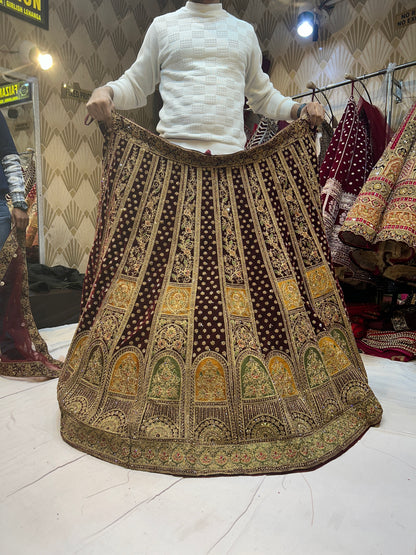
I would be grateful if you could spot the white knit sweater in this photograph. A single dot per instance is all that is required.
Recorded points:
(205, 61)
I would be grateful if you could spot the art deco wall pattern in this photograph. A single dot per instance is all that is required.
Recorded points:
(93, 41)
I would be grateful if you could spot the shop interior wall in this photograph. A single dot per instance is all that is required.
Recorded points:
(93, 41)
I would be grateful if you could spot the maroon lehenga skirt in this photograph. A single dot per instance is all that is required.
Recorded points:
(213, 338)
(23, 352)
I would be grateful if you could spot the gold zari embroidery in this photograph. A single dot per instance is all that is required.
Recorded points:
(213, 339)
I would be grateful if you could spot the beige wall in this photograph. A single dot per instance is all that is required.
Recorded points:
(92, 41)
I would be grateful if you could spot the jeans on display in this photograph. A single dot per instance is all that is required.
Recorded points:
(5, 221)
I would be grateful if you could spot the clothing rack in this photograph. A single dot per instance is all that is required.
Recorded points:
(391, 82)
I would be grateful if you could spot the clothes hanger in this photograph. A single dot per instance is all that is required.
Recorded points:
(311, 85)
(353, 87)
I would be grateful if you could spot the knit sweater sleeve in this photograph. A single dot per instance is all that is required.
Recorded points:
(133, 87)
(262, 97)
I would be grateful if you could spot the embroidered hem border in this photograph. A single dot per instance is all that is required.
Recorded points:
(25, 369)
(180, 457)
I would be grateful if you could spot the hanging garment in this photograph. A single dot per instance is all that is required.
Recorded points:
(378, 129)
(383, 217)
(23, 352)
(325, 134)
(32, 238)
(395, 345)
(343, 172)
(213, 338)
(265, 130)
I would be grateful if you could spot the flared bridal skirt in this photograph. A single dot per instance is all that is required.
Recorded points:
(213, 338)
(23, 352)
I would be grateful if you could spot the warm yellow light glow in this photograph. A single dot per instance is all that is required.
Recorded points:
(45, 60)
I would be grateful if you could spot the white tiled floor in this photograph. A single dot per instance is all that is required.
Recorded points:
(56, 500)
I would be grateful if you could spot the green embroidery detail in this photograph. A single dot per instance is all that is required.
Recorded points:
(255, 380)
(166, 380)
(315, 367)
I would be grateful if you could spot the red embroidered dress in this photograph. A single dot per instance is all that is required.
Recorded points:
(213, 338)
(343, 172)
(23, 352)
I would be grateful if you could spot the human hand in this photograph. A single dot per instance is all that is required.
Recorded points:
(100, 105)
(20, 219)
(314, 112)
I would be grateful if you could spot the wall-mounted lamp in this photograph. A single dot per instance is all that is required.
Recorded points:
(307, 25)
(32, 56)
(45, 61)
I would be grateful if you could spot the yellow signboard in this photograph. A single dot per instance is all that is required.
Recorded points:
(32, 11)
(18, 92)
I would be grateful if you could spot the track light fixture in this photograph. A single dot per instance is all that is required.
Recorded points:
(307, 25)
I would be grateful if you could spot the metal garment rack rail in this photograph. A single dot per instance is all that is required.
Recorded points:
(393, 86)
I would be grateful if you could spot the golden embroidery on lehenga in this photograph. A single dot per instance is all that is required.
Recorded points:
(232, 263)
(148, 219)
(237, 302)
(275, 249)
(264, 426)
(334, 358)
(320, 281)
(171, 335)
(282, 377)
(302, 329)
(197, 351)
(341, 340)
(329, 410)
(385, 209)
(75, 355)
(315, 367)
(121, 295)
(243, 337)
(354, 392)
(159, 427)
(124, 174)
(307, 246)
(212, 430)
(290, 293)
(108, 325)
(329, 311)
(125, 376)
(303, 422)
(166, 380)
(210, 383)
(114, 421)
(182, 267)
(94, 367)
(23, 352)
(77, 405)
(177, 300)
(255, 380)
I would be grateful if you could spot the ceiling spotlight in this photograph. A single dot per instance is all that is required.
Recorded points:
(307, 25)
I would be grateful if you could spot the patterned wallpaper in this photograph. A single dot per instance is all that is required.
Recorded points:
(93, 41)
